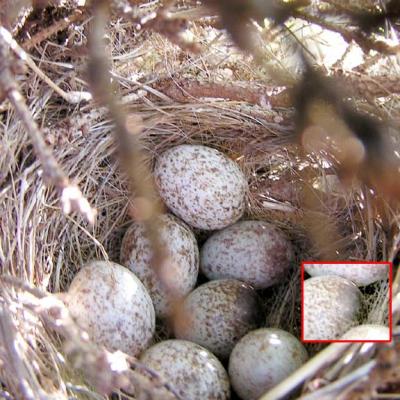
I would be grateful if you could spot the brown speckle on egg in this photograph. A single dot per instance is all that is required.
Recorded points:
(331, 306)
(201, 185)
(179, 272)
(192, 371)
(262, 359)
(113, 306)
(255, 252)
(217, 314)
(361, 274)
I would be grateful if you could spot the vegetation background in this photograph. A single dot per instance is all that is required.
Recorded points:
(303, 94)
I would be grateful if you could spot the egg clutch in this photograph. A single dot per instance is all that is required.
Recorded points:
(219, 339)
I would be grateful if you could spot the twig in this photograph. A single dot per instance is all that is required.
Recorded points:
(71, 197)
(186, 88)
(161, 21)
(364, 41)
(19, 284)
(58, 26)
(193, 14)
(385, 370)
(324, 357)
(338, 386)
(73, 97)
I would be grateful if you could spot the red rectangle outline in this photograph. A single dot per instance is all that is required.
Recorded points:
(347, 262)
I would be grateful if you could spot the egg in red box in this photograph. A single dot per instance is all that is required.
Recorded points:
(332, 305)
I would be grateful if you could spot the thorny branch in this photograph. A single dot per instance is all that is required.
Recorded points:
(71, 197)
(146, 202)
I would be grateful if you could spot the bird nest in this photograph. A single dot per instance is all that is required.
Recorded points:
(170, 93)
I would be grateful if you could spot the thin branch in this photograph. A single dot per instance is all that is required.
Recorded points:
(8, 335)
(385, 369)
(367, 43)
(162, 21)
(71, 197)
(73, 97)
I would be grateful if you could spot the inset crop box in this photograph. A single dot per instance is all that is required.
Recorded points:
(346, 301)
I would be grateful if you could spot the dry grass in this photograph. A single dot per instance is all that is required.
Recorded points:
(43, 248)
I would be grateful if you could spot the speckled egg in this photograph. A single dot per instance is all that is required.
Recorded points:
(201, 185)
(360, 274)
(251, 251)
(192, 371)
(331, 306)
(367, 332)
(113, 306)
(217, 314)
(262, 359)
(179, 272)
